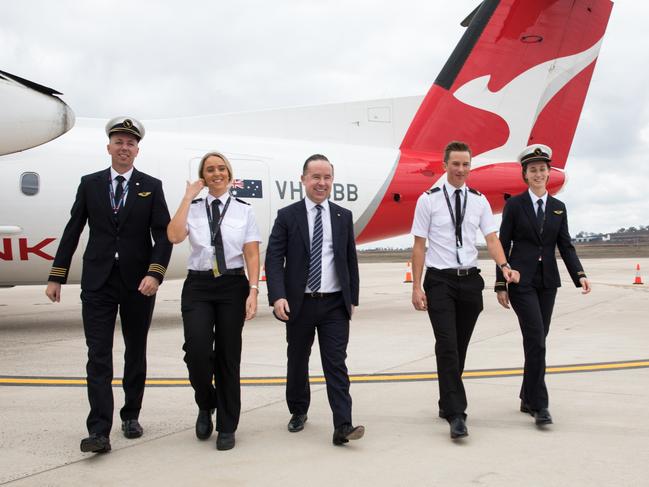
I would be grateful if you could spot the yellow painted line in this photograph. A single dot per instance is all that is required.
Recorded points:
(359, 378)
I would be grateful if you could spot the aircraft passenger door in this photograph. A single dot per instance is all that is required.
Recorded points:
(251, 184)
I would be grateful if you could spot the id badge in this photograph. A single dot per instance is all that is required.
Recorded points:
(215, 265)
(461, 255)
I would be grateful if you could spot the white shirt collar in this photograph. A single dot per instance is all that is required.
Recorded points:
(223, 198)
(450, 189)
(535, 198)
(310, 205)
(127, 175)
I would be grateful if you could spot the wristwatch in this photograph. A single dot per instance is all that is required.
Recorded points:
(254, 286)
(506, 264)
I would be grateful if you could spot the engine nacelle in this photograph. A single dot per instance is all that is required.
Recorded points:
(32, 114)
(499, 181)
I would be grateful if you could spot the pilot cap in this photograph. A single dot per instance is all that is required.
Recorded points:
(127, 125)
(535, 153)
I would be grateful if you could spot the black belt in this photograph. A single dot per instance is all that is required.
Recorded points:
(230, 272)
(322, 295)
(456, 272)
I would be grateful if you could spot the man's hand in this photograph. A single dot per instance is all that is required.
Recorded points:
(419, 300)
(503, 298)
(281, 309)
(585, 285)
(53, 291)
(251, 304)
(149, 286)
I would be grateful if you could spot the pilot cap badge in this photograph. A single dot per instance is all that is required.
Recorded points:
(127, 125)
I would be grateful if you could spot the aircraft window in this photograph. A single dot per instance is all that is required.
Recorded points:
(29, 183)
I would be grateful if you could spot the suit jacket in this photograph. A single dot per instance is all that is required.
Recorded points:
(287, 256)
(144, 215)
(524, 243)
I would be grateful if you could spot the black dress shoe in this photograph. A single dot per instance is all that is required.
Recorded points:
(542, 417)
(297, 423)
(347, 432)
(225, 441)
(458, 428)
(131, 428)
(204, 424)
(95, 444)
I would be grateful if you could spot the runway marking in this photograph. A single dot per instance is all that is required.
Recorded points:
(358, 378)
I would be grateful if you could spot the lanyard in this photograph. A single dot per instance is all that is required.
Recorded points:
(115, 205)
(215, 231)
(461, 217)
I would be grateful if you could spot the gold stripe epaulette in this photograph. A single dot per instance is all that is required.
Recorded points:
(157, 268)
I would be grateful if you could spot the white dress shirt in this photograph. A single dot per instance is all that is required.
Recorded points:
(127, 176)
(535, 206)
(433, 221)
(535, 199)
(125, 186)
(238, 228)
(329, 282)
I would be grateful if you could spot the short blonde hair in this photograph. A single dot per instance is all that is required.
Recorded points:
(220, 156)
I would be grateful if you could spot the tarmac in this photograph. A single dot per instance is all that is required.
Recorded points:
(598, 378)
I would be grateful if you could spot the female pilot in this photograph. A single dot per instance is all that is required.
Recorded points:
(533, 225)
(217, 297)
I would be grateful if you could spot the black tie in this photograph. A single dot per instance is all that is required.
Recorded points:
(315, 259)
(540, 215)
(218, 241)
(119, 190)
(458, 216)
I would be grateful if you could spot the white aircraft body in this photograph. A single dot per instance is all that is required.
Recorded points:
(519, 75)
(172, 150)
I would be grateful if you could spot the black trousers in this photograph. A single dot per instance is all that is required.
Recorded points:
(99, 310)
(533, 305)
(454, 304)
(214, 310)
(329, 316)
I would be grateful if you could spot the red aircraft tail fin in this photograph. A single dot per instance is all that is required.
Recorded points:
(518, 76)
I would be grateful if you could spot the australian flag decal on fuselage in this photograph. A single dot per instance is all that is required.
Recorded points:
(246, 188)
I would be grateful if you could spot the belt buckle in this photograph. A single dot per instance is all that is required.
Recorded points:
(316, 294)
(462, 272)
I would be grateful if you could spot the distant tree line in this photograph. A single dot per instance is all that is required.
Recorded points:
(637, 229)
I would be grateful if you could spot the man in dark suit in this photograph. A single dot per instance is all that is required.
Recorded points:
(122, 270)
(534, 224)
(312, 273)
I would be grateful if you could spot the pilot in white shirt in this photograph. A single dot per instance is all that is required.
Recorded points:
(448, 217)
(217, 297)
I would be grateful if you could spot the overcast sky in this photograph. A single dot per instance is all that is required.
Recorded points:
(168, 58)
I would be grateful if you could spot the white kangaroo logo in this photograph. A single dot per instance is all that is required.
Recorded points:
(520, 101)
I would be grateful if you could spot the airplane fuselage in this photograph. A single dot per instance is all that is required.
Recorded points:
(519, 75)
(274, 165)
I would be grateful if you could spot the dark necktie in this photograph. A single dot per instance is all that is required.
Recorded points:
(540, 215)
(119, 190)
(218, 240)
(315, 260)
(458, 216)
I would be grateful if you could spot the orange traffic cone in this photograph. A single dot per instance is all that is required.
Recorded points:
(408, 274)
(263, 273)
(638, 278)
